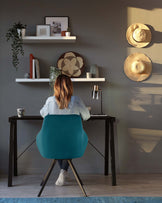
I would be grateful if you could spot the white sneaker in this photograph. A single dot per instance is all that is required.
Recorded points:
(62, 178)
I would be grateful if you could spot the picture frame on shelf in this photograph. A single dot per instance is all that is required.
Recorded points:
(57, 24)
(43, 30)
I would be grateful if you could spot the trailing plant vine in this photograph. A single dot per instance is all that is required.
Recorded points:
(16, 42)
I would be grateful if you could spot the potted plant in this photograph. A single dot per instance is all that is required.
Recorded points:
(53, 73)
(68, 32)
(15, 36)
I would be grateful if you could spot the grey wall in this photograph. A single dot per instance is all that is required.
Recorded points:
(100, 27)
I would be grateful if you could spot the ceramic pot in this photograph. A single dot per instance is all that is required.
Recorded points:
(94, 70)
(21, 32)
(67, 34)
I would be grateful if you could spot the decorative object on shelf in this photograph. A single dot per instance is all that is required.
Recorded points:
(35, 69)
(137, 67)
(27, 75)
(31, 57)
(63, 33)
(88, 75)
(16, 45)
(20, 112)
(138, 35)
(21, 32)
(71, 64)
(57, 24)
(94, 70)
(21, 29)
(43, 30)
(96, 94)
(68, 32)
(53, 73)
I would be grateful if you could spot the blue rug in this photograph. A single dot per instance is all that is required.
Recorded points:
(84, 200)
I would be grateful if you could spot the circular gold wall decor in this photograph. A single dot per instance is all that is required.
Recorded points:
(137, 67)
(138, 35)
(71, 64)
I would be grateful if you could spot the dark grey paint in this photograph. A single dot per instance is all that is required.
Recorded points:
(100, 28)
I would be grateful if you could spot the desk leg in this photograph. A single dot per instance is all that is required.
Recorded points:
(15, 148)
(112, 149)
(106, 170)
(11, 143)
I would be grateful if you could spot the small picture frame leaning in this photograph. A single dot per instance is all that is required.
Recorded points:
(43, 30)
(57, 24)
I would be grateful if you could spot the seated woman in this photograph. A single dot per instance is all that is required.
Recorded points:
(64, 103)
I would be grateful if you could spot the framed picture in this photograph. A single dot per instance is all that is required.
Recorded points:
(43, 30)
(57, 23)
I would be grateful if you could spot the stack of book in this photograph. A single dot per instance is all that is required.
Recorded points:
(34, 67)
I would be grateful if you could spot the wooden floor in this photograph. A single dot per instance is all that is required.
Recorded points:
(95, 185)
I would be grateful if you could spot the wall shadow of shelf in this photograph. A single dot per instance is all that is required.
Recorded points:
(23, 80)
(52, 39)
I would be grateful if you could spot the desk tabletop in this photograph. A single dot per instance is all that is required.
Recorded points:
(38, 117)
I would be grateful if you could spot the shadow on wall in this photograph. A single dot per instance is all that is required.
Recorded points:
(145, 103)
(156, 77)
(144, 4)
(156, 36)
(147, 139)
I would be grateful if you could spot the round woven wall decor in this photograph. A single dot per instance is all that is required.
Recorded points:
(71, 64)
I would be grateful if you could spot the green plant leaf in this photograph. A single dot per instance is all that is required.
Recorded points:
(16, 42)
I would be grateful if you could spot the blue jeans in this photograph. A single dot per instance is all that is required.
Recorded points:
(63, 164)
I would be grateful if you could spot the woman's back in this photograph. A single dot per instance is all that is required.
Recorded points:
(75, 106)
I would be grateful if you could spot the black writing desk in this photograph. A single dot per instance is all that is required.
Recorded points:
(109, 143)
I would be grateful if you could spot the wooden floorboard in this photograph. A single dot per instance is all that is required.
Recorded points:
(95, 185)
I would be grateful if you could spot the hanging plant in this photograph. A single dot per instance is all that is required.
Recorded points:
(16, 42)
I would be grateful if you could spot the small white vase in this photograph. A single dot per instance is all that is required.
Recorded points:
(67, 34)
(21, 32)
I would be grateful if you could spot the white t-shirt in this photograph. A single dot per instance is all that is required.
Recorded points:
(76, 106)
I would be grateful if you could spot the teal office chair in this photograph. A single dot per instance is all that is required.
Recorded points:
(62, 137)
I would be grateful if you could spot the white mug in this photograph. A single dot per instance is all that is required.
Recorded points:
(20, 112)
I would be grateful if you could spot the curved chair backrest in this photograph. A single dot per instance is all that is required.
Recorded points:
(62, 137)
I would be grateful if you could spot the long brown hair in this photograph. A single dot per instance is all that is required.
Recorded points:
(63, 90)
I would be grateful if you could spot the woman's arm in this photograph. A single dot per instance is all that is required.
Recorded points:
(44, 111)
(83, 110)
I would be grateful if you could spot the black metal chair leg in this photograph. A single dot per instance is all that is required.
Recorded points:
(46, 178)
(77, 177)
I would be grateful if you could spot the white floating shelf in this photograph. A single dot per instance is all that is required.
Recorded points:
(73, 79)
(51, 39)
(88, 79)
